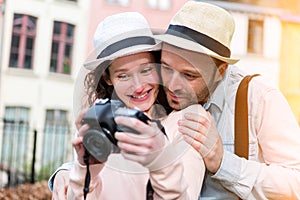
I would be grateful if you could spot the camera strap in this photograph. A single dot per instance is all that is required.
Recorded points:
(88, 175)
(160, 126)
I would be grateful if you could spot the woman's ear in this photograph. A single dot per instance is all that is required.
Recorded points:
(107, 78)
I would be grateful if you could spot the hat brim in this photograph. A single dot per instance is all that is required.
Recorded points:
(192, 46)
(94, 63)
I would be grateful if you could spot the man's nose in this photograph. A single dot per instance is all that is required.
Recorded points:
(175, 82)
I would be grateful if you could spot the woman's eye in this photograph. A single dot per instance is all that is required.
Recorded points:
(123, 76)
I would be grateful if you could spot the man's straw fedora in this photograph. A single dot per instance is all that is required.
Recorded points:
(203, 28)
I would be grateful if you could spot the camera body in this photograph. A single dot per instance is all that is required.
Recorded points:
(99, 140)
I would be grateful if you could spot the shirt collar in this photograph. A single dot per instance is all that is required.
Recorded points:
(218, 97)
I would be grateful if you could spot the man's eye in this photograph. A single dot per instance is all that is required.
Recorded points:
(147, 70)
(190, 76)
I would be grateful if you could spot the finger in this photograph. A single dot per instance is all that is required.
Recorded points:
(200, 118)
(126, 137)
(134, 139)
(78, 121)
(77, 141)
(206, 139)
(133, 149)
(148, 130)
(132, 123)
(198, 146)
(195, 135)
(195, 144)
(195, 126)
(82, 130)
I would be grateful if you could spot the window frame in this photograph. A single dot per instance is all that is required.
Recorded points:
(119, 2)
(56, 138)
(24, 28)
(60, 62)
(158, 4)
(255, 42)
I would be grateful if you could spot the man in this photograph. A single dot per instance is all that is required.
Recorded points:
(198, 39)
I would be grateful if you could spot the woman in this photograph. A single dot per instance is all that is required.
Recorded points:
(130, 76)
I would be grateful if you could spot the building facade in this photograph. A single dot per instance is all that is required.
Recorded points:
(42, 45)
(45, 42)
(290, 61)
(267, 41)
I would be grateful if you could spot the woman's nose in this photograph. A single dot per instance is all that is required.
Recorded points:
(137, 82)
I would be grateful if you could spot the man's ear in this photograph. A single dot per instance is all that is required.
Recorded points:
(107, 78)
(222, 69)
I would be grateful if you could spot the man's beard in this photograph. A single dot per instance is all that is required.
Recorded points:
(186, 99)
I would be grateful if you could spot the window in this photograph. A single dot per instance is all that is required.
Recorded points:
(22, 41)
(159, 4)
(255, 36)
(15, 139)
(56, 141)
(62, 44)
(121, 2)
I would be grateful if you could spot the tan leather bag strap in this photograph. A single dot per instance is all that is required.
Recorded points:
(241, 138)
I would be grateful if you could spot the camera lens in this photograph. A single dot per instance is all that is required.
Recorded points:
(97, 144)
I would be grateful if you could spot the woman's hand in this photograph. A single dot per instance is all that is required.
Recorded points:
(77, 142)
(142, 147)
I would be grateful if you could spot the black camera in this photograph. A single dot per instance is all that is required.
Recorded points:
(99, 140)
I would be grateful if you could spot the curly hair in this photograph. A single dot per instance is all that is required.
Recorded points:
(95, 84)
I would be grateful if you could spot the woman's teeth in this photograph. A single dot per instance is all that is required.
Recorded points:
(139, 97)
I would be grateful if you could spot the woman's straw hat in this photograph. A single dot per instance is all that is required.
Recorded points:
(120, 35)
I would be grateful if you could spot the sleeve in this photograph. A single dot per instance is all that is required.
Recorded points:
(60, 185)
(77, 179)
(274, 173)
(66, 167)
(179, 171)
(182, 179)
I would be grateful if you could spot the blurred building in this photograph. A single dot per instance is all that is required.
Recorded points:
(157, 12)
(290, 61)
(44, 44)
(1, 15)
(267, 41)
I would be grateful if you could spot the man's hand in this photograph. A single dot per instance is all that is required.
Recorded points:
(200, 132)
